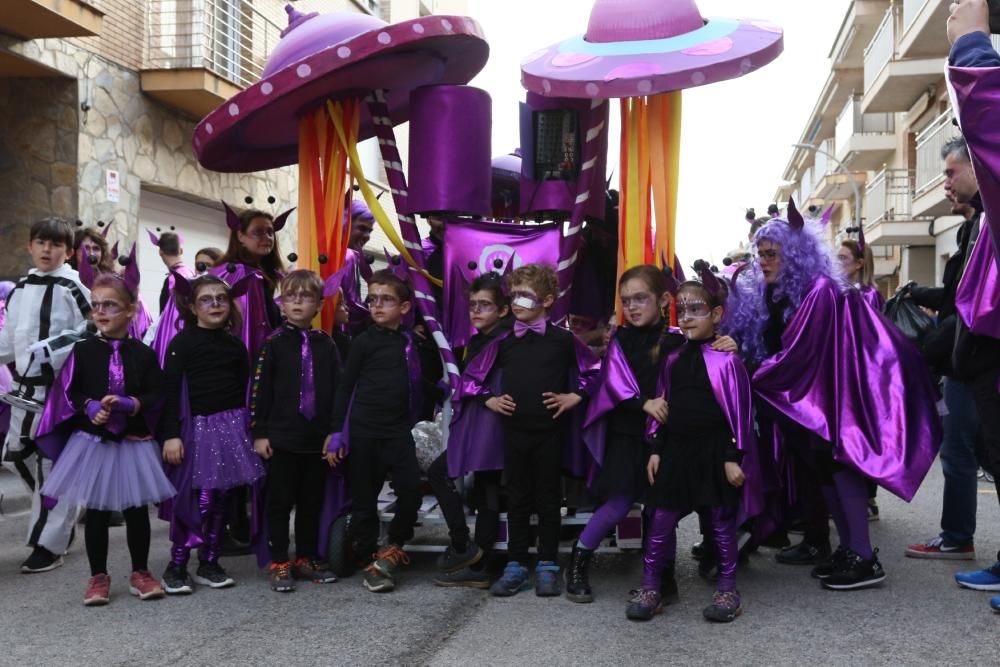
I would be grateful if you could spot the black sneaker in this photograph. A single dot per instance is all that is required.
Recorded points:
(699, 550)
(452, 559)
(176, 580)
(725, 607)
(41, 560)
(802, 554)
(211, 574)
(825, 568)
(376, 581)
(464, 578)
(855, 572)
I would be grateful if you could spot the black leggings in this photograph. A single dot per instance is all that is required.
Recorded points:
(136, 534)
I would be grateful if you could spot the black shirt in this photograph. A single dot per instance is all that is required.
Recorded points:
(376, 385)
(694, 410)
(480, 340)
(532, 365)
(638, 345)
(143, 381)
(215, 364)
(775, 323)
(274, 406)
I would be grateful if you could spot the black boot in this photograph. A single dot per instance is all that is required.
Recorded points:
(578, 575)
(668, 584)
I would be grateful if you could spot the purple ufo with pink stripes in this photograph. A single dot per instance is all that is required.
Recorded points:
(647, 47)
(335, 56)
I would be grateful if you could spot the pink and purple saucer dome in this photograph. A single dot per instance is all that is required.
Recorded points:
(647, 47)
(335, 56)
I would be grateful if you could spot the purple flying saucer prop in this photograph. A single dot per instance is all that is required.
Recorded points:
(647, 47)
(328, 57)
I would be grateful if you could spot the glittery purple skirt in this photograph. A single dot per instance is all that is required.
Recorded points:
(222, 455)
(102, 475)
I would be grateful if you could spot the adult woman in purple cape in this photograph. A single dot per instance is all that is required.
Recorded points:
(858, 267)
(615, 423)
(253, 248)
(704, 453)
(833, 366)
(98, 427)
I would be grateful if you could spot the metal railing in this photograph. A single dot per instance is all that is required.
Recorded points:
(851, 122)
(889, 196)
(227, 37)
(880, 50)
(911, 8)
(930, 141)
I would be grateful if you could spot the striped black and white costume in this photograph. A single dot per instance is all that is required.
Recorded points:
(52, 308)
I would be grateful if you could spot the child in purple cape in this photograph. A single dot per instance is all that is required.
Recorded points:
(615, 425)
(545, 372)
(107, 401)
(205, 430)
(704, 452)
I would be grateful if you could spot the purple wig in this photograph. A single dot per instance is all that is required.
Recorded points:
(804, 257)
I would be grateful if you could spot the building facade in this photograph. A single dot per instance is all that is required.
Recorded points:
(873, 140)
(98, 100)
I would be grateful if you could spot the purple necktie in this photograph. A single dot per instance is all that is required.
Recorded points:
(307, 389)
(116, 385)
(521, 328)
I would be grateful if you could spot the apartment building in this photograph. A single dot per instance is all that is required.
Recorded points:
(873, 140)
(98, 99)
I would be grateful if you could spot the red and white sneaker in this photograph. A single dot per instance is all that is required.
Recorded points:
(938, 548)
(98, 591)
(144, 586)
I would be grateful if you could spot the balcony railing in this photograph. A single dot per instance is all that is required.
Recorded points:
(889, 196)
(929, 144)
(823, 165)
(880, 50)
(911, 8)
(226, 37)
(851, 122)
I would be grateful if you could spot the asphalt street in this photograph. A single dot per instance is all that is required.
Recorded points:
(919, 615)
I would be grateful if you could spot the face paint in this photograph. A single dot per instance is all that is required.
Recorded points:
(695, 310)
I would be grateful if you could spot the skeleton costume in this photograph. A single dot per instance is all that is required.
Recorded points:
(46, 314)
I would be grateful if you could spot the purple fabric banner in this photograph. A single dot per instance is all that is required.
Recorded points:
(484, 243)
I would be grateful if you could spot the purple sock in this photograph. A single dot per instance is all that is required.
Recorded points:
(659, 538)
(852, 493)
(603, 520)
(179, 555)
(836, 511)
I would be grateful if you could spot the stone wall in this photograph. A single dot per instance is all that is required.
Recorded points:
(38, 160)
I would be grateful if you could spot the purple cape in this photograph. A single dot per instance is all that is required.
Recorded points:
(731, 387)
(253, 312)
(475, 438)
(849, 376)
(872, 297)
(977, 95)
(170, 318)
(140, 324)
(615, 384)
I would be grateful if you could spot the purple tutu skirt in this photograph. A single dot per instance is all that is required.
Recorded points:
(102, 475)
(222, 456)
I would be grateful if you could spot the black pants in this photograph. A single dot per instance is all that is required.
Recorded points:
(136, 535)
(450, 502)
(367, 464)
(532, 467)
(294, 480)
(486, 499)
(984, 388)
(813, 470)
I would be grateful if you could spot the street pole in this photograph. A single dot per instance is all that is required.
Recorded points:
(842, 168)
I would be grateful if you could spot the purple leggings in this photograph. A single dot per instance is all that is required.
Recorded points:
(661, 545)
(847, 500)
(212, 507)
(607, 516)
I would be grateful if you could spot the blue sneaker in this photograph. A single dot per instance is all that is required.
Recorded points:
(981, 580)
(513, 581)
(995, 604)
(547, 579)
